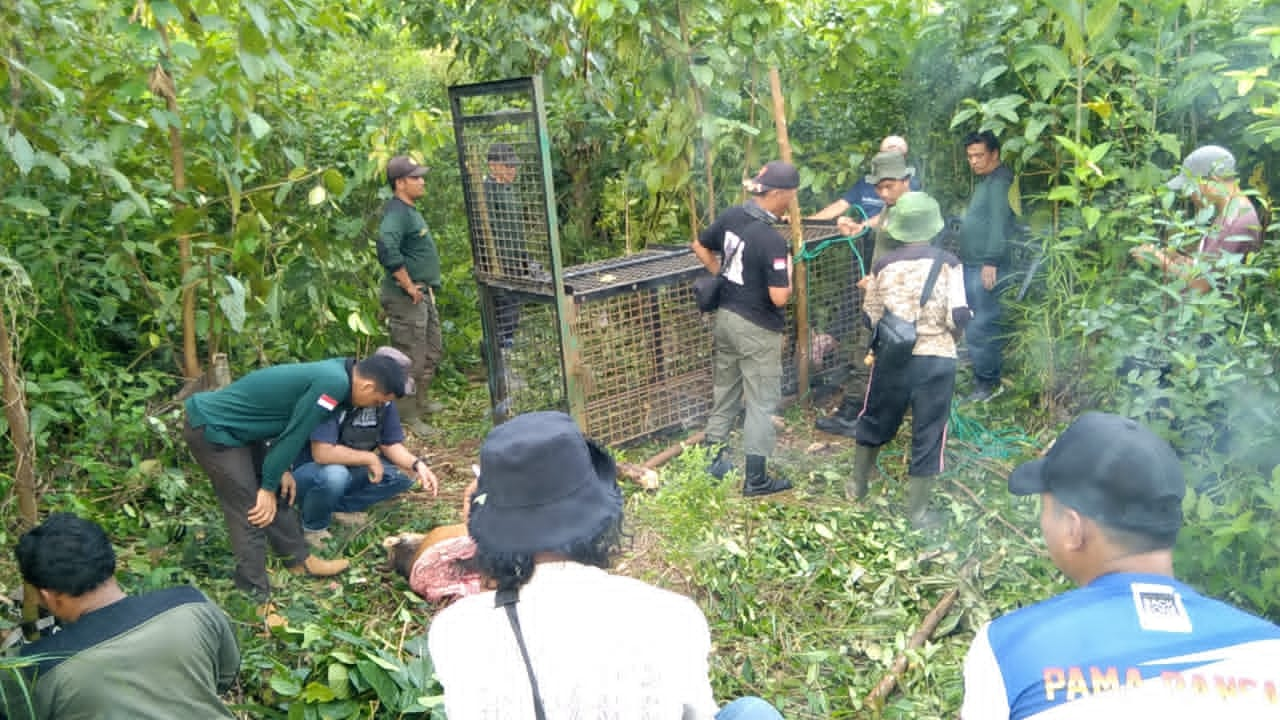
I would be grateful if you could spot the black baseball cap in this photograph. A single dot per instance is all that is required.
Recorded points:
(775, 175)
(1113, 470)
(402, 166)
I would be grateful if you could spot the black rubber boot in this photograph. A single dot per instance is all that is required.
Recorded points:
(864, 468)
(720, 464)
(758, 482)
(918, 493)
(843, 420)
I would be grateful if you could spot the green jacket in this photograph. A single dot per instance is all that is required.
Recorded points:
(283, 404)
(405, 242)
(989, 222)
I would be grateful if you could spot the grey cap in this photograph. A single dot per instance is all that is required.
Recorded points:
(1208, 161)
(889, 165)
(402, 166)
(403, 361)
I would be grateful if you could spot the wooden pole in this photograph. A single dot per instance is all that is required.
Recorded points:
(875, 699)
(799, 280)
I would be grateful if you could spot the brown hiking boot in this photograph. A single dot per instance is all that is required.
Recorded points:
(350, 518)
(319, 567)
(272, 619)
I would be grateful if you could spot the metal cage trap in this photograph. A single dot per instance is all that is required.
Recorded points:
(619, 343)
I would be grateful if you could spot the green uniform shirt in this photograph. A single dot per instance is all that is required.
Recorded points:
(405, 242)
(282, 403)
(158, 656)
(989, 222)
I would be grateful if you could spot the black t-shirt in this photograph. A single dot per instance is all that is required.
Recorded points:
(759, 264)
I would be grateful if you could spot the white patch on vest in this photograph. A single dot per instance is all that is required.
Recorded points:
(734, 272)
(1160, 608)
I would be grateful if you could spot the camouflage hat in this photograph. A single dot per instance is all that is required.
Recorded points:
(889, 165)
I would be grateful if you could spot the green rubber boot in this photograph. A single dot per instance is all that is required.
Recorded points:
(918, 493)
(864, 468)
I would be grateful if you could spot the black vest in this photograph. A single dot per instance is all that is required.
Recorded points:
(361, 428)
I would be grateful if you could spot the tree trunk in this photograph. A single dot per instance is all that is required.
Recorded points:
(24, 447)
(162, 85)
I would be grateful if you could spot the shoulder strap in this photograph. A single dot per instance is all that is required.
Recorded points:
(729, 258)
(507, 599)
(934, 269)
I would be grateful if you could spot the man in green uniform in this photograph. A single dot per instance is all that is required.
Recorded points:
(246, 436)
(162, 655)
(408, 253)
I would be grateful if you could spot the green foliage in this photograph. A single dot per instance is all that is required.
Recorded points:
(811, 599)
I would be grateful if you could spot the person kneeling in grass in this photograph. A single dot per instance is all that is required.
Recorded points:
(356, 458)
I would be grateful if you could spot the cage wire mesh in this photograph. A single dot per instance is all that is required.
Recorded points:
(618, 343)
(837, 334)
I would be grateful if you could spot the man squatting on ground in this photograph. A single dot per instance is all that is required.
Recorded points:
(408, 253)
(356, 458)
(747, 335)
(159, 656)
(1131, 641)
(985, 232)
(247, 434)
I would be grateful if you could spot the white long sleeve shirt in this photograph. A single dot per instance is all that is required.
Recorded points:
(602, 646)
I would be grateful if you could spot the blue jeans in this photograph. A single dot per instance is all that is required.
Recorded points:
(748, 708)
(984, 334)
(324, 489)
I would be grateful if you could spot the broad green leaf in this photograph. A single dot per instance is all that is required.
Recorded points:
(122, 211)
(1091, 216)
(604, 9)
(19, 149)
(55, 165)
(31, 206)
(376, 677)
(990, 75)
(232, 304)
(1067, 193)
(702, 74)
(339, 680)
(259, 127)
(317, 693)
(252, 66)
(357, 324)
(165, 12)
(284, 685)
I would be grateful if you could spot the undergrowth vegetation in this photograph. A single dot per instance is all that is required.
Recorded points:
(289, 110)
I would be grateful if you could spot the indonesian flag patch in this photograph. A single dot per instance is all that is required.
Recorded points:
(327, 403)
(780, 263)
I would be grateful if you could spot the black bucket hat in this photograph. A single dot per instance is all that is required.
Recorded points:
(542, 486)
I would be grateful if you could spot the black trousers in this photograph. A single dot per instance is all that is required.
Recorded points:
(235, 473)
(925, 385)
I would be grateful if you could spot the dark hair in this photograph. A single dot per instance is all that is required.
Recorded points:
(986, 137)
(1134, 542)
(66, 554)
(512, 570)
(1131, 542)
(384, 372)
